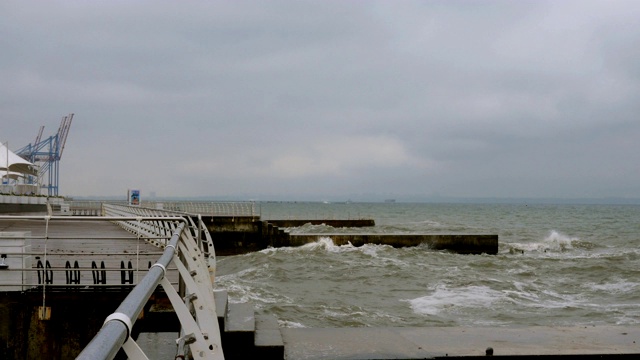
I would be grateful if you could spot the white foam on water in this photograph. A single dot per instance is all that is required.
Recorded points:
(416, 225)
(522, 293)
(311, 229)
(444, 299)
(431, 223)
(270, 250)
(557, 241)
(333, 312)
(239, 274)
(554, 242)
(544, 300)
(238, 292)
(553, 300)
(290, 324)
(325, 243)
(620, 287)
(370, 250)
(241, 292)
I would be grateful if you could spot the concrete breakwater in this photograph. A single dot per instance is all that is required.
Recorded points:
(238, 235)
(354, 223)
(461, 244)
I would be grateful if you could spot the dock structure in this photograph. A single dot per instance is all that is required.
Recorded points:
(117, 310)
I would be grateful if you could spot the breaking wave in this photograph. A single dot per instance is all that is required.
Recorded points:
(553, 242)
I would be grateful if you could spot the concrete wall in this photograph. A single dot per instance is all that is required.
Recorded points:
(234, 235)
(17, 204)
(76, 317)
(22, 208)
(74, 320)
(217, 224)
(462, 244)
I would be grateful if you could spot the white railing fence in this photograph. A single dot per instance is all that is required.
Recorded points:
(191, 250)
(207, 208)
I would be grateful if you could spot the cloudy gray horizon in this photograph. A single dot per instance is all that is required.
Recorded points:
(313, 99)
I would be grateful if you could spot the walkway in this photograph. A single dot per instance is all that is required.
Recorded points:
(87, 242)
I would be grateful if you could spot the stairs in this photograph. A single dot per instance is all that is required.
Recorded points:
(245, 334)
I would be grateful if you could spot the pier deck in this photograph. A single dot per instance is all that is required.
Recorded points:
(86, 242)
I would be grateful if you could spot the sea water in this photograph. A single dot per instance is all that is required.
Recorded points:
(559, 265)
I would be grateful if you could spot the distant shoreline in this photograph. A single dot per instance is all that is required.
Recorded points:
(375, 199)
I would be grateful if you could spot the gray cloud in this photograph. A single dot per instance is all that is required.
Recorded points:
(311, 99)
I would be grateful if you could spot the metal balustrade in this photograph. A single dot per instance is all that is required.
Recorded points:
(184, 245)
(51, 250)
(209, 208)
(216, 208)
(191, 250)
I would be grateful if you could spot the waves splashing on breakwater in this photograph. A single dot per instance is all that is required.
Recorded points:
(557, 265)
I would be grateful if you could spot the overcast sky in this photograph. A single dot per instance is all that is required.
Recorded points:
(329, 99)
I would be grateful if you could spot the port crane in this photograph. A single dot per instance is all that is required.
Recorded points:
(47, 154)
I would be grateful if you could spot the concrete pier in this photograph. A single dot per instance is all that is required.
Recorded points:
(337, 223)
(234, 235)
(461, 244)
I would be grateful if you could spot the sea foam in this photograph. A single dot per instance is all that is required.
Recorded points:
(444, 299)
(554, 242)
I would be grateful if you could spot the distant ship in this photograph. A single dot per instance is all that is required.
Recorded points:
(390, 200)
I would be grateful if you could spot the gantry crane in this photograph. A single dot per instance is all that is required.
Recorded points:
(47, 154)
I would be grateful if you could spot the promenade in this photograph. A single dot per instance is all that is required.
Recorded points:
(86, 242)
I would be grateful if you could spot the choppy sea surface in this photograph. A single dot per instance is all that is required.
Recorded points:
(557, 265)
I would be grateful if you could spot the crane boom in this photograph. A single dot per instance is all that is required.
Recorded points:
(39, 135)
(63, 131)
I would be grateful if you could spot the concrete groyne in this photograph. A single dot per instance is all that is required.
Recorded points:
(461, 244)
(239, 235)
(337, 223)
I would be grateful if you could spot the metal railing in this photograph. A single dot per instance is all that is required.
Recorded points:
(191, 250)
(117, 328)
(156, 231)
(186, 244)
(208, 208)
(212, 208)
(41, 249)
